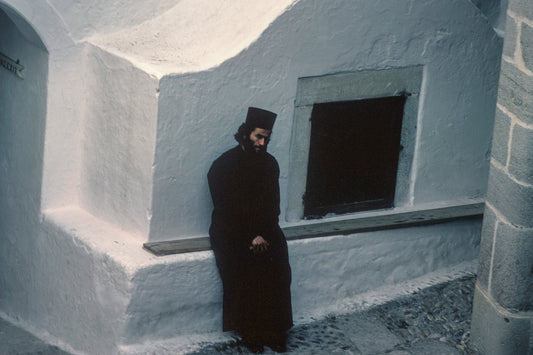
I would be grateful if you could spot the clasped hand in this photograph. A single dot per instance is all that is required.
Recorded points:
(259, 245)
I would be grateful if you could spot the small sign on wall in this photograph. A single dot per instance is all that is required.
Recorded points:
(11, 65)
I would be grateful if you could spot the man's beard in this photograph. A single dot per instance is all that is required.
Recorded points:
(250, 148)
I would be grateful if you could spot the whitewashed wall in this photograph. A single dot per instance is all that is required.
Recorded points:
(199, 112)
(115, 182)
(73, 269)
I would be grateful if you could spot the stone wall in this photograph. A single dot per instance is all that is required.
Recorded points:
(503, 311)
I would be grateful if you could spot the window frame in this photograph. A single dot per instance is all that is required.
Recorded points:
(347, 87)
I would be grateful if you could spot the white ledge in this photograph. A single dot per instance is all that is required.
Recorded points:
(421, 214)
(100, 237)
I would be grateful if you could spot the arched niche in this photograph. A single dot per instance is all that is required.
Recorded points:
(23, 105)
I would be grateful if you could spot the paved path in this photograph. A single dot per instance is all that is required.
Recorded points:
(434, 321)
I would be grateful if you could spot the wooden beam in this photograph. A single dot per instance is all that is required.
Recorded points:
(178, 246)
(355, 223)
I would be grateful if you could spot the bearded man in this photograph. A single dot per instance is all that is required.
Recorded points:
(250, 248)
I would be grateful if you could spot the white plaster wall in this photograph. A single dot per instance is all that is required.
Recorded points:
(65, 103)
(184, 296)
(79, 294)
(180, 296)
(75, 278)
(177, 297)
(193, 35)
(199, 112)
(86, 18)
(97, 291)
(328, 273)
(51, 283)
(118, 142)
(100, 128)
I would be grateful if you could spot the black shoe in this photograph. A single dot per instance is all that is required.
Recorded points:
(254, 347)
(252, 342)
(279, 348)
(278, 343)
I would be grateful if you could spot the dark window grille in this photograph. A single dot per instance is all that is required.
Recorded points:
(353, 155)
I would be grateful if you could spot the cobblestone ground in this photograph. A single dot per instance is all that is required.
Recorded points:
(434, 321)
(15, 341)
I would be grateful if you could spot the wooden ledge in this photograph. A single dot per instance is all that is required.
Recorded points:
(347, 224)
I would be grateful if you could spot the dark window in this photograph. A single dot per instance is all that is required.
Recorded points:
(353, 155)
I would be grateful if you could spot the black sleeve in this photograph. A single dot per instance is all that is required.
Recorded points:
(226, 230)
(267, 222)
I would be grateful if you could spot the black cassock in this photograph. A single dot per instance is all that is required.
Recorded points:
(245, 191)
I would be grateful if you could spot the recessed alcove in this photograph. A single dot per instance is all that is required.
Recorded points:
(23, 97)
(23, 104)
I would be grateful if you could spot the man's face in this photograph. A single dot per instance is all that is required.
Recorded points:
(259, 139)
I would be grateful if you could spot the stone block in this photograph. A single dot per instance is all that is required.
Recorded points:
(485, 248)
(509, 44)
(521, 160)
(526, 42)
(433, 346)
(500, 139)
(522, 7)
(370, 335)
(512, 265)
(513, 200)
(516, 92)
(497, 333)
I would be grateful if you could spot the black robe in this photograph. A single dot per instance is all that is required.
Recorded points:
(245, 191)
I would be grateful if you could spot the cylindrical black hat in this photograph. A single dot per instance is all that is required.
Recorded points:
(259, 118)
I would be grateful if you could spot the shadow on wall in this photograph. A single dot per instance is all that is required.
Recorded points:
(495, 11)
(22, 127)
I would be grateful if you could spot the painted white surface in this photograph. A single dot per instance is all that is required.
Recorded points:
(99, 289)
(193, 35)
(65, 103)
(79, 273)
(452, 40)
(118, 142)
(122, 297)
(87, 18)
(185, 344)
